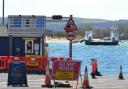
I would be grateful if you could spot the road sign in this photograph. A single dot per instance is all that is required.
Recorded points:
(66, 70)
(26, 25)
(71, 35)
(70, 25)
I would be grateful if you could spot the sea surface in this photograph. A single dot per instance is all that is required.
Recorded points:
(109, 57)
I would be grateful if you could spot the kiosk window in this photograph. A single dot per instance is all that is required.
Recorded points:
(29, 46)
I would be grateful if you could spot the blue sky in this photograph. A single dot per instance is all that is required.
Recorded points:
(101, 9)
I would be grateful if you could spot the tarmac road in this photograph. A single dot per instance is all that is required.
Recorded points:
(35, 82)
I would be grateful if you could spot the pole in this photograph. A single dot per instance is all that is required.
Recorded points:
(70, 49)
(3, 13)
(43, 45)
(10, 45)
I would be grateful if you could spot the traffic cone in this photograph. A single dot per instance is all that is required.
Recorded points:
(93, 70)
(97, 73)
(85, 83)
(121, 73)
(47, 78)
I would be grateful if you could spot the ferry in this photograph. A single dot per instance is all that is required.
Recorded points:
(113, 40)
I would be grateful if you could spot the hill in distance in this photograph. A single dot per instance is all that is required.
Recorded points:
(81, 22)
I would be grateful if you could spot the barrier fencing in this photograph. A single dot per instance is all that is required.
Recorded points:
(33, 64)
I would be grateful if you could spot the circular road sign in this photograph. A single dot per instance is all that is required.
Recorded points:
(71, 35)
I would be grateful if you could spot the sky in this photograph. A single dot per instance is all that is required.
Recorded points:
(95, 9)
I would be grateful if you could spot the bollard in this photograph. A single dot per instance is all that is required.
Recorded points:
(121, 73)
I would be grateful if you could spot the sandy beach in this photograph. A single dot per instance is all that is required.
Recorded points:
(103, 82)
(49, 39)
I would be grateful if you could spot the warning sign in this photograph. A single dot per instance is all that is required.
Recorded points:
(65, 75)
(66, 70)
(70, 25)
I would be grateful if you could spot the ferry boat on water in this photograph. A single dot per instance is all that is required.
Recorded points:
(114, 39)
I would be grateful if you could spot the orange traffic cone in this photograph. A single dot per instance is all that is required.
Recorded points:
(121, 73)
(47, 76)
(85, 81)
(93, 70)
(97, 73)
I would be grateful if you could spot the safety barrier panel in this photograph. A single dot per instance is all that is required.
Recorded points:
(69, 59)
(9, 60)
(53, 59)
(60, 59)
(3, 63)
(43, 63)
(32, 64)
(35, 64)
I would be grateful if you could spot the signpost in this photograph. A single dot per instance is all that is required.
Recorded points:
(69, 28)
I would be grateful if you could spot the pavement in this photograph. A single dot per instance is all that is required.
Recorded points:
(102, 82)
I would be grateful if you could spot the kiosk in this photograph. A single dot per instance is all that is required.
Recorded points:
(26, 35)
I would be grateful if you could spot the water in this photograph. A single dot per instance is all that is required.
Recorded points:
(109, 57)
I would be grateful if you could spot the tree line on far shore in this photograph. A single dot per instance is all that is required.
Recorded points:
(97, 33)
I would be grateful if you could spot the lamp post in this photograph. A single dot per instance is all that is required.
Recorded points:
(3, 13)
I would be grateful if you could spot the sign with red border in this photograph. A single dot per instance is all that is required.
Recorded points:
(70, 25)
(71, 35)
(66, 70)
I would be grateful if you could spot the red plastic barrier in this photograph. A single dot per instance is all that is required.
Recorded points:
(3, 63)
(54, 59)
(69, 59)
(10, 59)
(35, 63)
(44, 63)
(31, 64)
(61, 59)
(19, 59)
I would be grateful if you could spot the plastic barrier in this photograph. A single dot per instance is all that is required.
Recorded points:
(61, 59)
(3, 63)
(44, 63)
(35, 65)
(9, 60)
(54, 59)
(69, 59)
(31, 64)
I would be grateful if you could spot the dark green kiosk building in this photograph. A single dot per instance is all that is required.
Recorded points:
(23, 36)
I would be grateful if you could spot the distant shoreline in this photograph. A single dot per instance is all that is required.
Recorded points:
(49, 39)
(64, 39)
